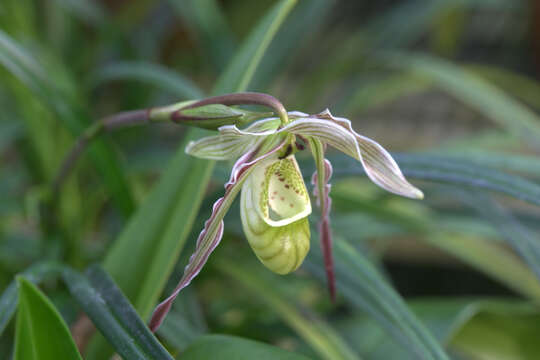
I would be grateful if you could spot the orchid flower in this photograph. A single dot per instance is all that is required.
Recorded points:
(275, 203)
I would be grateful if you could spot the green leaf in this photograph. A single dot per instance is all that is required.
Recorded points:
(377, 91)
(462, 324)
(491, 259)
(59, 98)
(302, 26)
(449, 170)
(485, 255)
(85, 10)
(113, 315)
(208, 23)
(523, 164)
(149, 73)
(313, 330)
(41, 333)
(10, 298)
(452, 170)
(515, 234)
(240, 71)
(363, 287)
(185, 322)
(500, 332)
(521, 86)
(231, 347)
(474, 91)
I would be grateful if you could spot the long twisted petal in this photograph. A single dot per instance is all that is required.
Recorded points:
(212, 232)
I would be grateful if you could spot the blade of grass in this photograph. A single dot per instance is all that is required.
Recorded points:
(472, 90)
(487, 256)
(232, 347)
(448, 317)
(520, 86)
(301, 26)
(491, 259)
(36, 274)
(379, 91)
(209, 25)
(88, 11)
(314, 331)
(240, 71)
(449, 170)
(515, 234)
(113, 315)
(525, 164)
(364, 287)
(21, 63)
(149, 73)
(41, 333)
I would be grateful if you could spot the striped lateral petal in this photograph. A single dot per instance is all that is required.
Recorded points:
(212, 232)
(377, 162)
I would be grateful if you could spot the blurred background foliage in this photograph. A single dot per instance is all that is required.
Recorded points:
(450, 87)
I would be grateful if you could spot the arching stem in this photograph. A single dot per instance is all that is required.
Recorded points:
(245, 98)
(172, 112)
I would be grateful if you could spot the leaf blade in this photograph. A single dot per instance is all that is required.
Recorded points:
(41, 333)
(113, 315)
(232, 347)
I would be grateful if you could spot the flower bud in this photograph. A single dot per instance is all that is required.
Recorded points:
(209, 116)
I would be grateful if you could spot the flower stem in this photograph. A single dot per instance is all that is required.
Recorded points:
(245, 98)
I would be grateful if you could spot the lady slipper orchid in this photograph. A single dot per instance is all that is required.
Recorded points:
(275, 203)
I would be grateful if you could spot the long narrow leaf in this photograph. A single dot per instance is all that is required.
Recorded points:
(240, 71)
(151, 74)
(516, 235)
(21, 63)
(314, 331)
(449, 170)
(206, 20)
(475, 92)
(485, 255)
(231, 347)
(41, 332)
(365, 288)
(113, 315)
(35, 274)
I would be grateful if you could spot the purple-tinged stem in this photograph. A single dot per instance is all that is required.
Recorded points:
(326, 246)
(322, 193)
(245, 98)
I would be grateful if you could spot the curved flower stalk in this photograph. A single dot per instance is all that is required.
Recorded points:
(275, 203)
